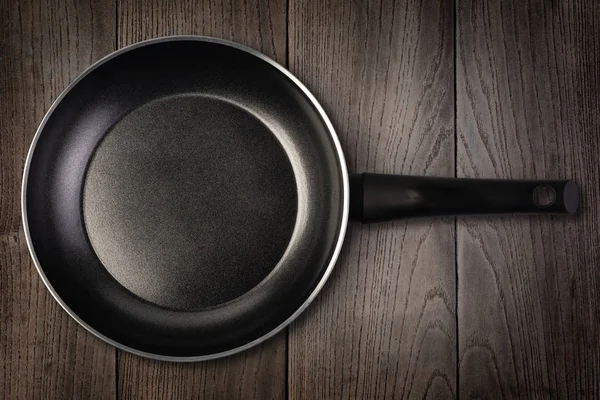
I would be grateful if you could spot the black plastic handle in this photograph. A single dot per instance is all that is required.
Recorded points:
(379, 197)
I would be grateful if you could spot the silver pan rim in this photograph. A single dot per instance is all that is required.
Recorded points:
(341, 233)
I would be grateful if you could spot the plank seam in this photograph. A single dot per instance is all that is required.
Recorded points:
(116, 350)
(454, 41)
(287, 329)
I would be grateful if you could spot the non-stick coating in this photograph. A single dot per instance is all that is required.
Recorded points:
(185, 198)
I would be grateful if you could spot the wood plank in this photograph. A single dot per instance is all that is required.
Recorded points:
(384, 325)
(44, 353)
(260, 372)
(528, 84)
(260, 24)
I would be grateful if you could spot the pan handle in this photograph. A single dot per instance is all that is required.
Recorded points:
(379, 197)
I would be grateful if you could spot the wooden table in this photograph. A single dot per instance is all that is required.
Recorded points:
(434, 308)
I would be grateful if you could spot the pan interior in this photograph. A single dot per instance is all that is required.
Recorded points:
(189, 201)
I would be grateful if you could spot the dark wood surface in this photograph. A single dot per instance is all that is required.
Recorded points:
(435, 308)
(528, 106)
(384, 325)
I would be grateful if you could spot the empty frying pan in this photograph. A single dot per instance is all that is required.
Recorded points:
(186, 198)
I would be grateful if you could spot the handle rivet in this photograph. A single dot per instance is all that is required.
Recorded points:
(544, 196)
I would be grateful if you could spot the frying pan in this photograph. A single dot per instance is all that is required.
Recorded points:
(186, 198)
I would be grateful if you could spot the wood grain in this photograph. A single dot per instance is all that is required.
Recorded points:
(260, 372)
(528, 84)
(384, 325)
(44, 353)
(260, 24)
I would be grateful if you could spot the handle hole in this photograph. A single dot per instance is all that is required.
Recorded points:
(544, 196)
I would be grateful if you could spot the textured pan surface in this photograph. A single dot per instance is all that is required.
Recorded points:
(110, 188)
(190, 202)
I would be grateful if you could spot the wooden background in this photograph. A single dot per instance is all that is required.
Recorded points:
(500, 307)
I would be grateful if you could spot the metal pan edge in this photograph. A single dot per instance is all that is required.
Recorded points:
(341, 233)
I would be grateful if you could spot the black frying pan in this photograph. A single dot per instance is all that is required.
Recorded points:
(186, 198)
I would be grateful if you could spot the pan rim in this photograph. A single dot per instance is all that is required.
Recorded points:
(341, 164)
